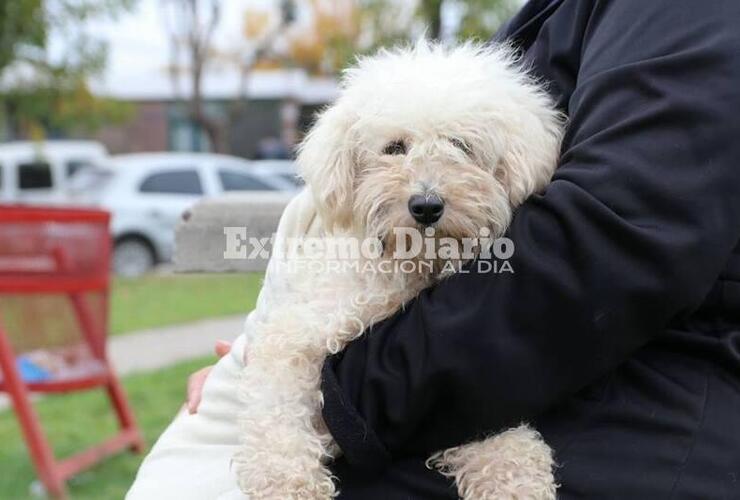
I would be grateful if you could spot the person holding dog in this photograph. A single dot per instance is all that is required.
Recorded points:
(618, 334)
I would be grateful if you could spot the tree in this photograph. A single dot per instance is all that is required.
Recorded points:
(342, 29)
(430, 11)
(328, 35)
(191, 25)
(41, 93)
(18, 28)
(481, 18)
(477, 19)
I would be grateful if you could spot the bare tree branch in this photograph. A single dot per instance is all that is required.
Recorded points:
(191, 34)
(191, 29)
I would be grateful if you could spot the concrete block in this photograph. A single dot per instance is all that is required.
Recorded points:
(200, 241)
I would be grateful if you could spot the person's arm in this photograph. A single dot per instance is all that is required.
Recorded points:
(638, 222)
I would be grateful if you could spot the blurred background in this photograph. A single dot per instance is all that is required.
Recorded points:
(144, 108)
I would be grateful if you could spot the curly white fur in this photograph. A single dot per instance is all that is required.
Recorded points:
(478, 132)
(515, 464)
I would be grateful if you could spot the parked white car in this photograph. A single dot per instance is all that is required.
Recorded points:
(284, 170)
(38, 172)
(147, 195)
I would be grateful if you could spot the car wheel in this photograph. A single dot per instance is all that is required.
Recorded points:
(132, 257)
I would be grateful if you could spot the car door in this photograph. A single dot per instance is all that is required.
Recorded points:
(165, 194)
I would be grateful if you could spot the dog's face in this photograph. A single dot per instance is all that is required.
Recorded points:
(452, 139)
(415, 178)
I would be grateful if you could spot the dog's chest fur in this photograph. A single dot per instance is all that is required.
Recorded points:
(318, 313)
(285, 444)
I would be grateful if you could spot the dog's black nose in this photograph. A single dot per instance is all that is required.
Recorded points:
(426, 209)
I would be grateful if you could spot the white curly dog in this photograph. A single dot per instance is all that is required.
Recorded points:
(451, 139)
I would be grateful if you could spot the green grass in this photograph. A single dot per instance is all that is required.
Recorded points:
(74, 421)
(160, 300)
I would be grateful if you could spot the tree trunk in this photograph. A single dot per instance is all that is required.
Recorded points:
(216, 135)
(433, 14)
(214, 130)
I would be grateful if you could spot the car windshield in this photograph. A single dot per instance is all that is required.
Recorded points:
(89, 179)
(292, 178)
(241, 181)
(75, 165)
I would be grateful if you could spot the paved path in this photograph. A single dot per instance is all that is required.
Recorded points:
(148, 350)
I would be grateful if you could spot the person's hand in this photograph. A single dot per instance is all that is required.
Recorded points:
(198, 379)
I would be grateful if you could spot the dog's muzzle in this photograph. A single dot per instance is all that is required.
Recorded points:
(426, 209)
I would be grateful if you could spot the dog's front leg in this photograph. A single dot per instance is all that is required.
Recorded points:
(511, 465)
(282, 452)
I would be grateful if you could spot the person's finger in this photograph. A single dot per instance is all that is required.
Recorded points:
(197, 380)
(195, 388)
(222, 348)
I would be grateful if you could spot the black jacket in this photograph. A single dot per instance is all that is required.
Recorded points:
(619, 333)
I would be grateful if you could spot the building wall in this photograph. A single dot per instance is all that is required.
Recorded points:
(259, 121)
(165, 126)
(148, 130)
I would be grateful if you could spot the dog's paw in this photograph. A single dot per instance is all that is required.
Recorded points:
(515, 464)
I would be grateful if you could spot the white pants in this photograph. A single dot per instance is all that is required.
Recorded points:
(192, 459)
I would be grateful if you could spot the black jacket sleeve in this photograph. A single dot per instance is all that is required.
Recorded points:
(638, 222)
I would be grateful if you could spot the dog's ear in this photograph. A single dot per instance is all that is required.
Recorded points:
(532, 147)
(325, 161)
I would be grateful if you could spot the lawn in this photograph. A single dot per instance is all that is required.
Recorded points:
(73, 421)
(159, 300)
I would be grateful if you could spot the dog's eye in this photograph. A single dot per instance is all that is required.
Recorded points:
(395, 148)
(461, 145)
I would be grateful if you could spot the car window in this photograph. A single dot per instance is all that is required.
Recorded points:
(240, 181)
(292, 178)
(185, 181)
(89, 180)
(73, 166)
(34, 175)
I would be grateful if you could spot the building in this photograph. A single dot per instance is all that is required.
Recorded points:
(280, 104)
